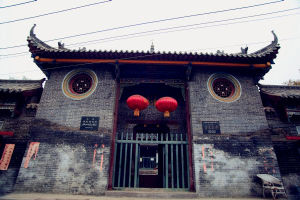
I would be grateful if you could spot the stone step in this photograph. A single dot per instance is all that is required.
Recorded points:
(153, 193)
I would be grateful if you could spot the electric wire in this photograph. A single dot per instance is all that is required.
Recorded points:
(151, 22)
(27, 52)
(55, 12)
(18, 4)
(208, 26)
(190, 25)
(133, 35)
(110, 40)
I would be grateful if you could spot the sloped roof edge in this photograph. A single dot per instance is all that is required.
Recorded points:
(282, 91)
(17, 86)
(266, 54)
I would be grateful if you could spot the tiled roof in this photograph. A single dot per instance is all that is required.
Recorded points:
(281, 91)
(41, 49)
(16, 86)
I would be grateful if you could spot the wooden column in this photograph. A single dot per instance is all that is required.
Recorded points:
(112, 149)
(190, 138)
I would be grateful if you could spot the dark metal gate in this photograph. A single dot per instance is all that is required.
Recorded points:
(151, 160)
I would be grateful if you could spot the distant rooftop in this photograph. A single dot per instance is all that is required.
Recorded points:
(16, 86)
(282, 91)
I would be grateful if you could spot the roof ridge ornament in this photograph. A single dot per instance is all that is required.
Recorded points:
(244, 50)
(36, 41)
(270, 47)
(152, 48)
(32, 30)
(220, 51)
(61, 45)
(275, 41)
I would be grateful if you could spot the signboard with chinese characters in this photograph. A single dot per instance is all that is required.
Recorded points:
(89, 123)
(211, 127)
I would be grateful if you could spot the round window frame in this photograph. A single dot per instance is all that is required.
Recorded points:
(236, 84)
(66, 84)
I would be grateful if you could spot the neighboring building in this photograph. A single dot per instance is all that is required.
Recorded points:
(282, 107)
(86, 140)
(18, 103)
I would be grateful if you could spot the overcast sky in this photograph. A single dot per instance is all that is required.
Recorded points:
(208, 36)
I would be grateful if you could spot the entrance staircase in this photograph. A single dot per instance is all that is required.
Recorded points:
(153, 193)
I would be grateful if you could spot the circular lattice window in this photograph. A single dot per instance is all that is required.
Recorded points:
(79, 84)
(224, 87)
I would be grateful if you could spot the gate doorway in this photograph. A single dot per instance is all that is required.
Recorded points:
(151, 157)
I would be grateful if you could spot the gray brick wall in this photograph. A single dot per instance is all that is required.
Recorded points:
(57, 108)
(226, 166)
(243, 115)
(64, 162)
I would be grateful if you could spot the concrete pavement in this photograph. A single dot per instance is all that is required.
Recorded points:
(41, 196)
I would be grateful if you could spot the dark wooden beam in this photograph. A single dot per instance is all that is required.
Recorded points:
(114, 132)
(190, 137)
(153, 62)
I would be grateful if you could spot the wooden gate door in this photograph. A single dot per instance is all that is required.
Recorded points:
(143, 156)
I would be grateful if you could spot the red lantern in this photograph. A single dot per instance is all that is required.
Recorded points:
(166, 105)
(137, 103)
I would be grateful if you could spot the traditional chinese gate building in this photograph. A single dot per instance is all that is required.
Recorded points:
(90, 142)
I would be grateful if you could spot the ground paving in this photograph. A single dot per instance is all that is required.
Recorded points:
(39, 196)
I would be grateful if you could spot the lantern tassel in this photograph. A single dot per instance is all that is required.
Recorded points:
(166, 114)
(136, 112)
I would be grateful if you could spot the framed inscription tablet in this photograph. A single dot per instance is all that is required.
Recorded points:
(211, 127)
(89, 123)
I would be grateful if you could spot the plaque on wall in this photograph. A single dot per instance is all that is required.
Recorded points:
(89, 123)
(211, 127)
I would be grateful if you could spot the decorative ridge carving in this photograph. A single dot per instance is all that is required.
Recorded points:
(32, 31)
(33, 40)
(274, 45)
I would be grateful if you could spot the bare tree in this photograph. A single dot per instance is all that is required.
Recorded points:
(292, 82)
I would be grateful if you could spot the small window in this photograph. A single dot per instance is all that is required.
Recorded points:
(80, 84)
(293, 115)
(223, 87)
(298, 129)
(270, 112)
(1, 125)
